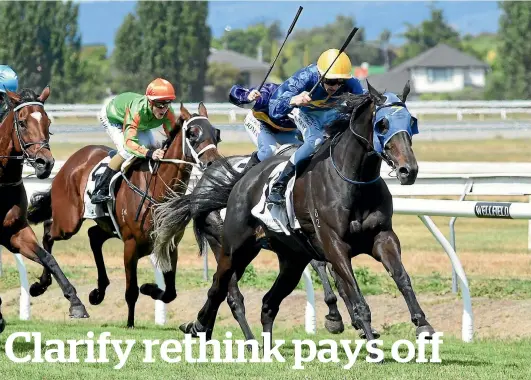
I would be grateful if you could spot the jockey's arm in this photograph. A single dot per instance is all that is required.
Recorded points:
(280, 103)
(131, 137)
(239, 96)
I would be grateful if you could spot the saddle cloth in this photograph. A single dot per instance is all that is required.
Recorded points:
(92, 211)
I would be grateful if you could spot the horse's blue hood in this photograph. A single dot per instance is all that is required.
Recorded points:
(399, 118)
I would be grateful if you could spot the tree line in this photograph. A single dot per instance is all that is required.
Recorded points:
(42, 42)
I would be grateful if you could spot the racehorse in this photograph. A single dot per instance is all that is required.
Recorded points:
(24, 137)
(343, 206)
(193, 143)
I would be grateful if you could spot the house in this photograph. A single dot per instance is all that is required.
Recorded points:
(441, 69)
(252, 71)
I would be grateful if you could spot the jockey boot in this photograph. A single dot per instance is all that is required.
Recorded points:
(252, 162)
(276, 196)
(101, 189)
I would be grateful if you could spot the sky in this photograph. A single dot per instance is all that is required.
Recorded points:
(99, 20)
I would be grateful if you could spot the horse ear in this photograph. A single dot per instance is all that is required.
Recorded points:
(13, 96)
(379, 98)
(44, 94)
(184, 113)
(405, 92)
(202, 110)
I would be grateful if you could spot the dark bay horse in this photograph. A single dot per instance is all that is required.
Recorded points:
(24, 137)
(193, 143)
(343, 206)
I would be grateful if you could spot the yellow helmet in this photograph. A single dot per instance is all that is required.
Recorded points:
(342, 68)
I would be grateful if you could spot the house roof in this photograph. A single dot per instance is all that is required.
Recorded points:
(442, 55)
(240, 61)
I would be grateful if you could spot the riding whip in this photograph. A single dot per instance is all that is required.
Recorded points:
(349, 38)
(279, 50)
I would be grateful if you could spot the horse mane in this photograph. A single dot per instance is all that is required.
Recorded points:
(28, 95)
(178, 126)
(346, 104)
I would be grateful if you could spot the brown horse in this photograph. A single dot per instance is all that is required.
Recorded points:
(24, 137)
(193, 143)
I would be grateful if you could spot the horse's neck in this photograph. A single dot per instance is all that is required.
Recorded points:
(10, 169)
(351, 156)
(175, 176)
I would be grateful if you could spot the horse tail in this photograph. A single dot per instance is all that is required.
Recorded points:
(169, 221)
(40, 208)
(200, 237)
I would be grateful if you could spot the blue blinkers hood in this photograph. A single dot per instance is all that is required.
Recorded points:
(399, 120)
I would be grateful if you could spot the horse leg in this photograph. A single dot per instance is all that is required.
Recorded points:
(291, 268)
(169, 293)
(38, 288)
(97, 236)
(25, 242)
(212, 229)
(2, 321)
(334, 322)
(355, 318)
(386, 249)
(131, 280)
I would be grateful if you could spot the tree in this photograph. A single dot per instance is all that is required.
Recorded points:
(511, 77)
(427, 35)
(40, 40)
(221, 77)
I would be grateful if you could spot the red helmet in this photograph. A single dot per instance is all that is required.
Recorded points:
(160, 89)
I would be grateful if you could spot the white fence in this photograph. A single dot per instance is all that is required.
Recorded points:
(435, 178)
(458, 108)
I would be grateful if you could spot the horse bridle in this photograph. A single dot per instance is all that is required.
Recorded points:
(188, 146)
(368, 146)
(44, 144)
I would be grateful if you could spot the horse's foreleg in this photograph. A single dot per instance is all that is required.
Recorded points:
(334, 322)
(386, 249)
(169, 293)
(25, 242)
(2, 321)
(131, 280)
(45, 280)
(97, 237)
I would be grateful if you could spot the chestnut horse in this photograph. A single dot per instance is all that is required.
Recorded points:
(24, 137)
(193, 143)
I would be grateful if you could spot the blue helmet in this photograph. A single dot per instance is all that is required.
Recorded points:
(8, 79)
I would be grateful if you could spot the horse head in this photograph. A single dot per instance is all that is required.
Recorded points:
(199, 138)
(394, 128)
(31, 129)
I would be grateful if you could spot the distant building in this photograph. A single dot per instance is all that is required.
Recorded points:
(441, 69)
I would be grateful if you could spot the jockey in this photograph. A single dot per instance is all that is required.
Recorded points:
(128, 119)
(8, 80)
(271, 131)
(313, 113)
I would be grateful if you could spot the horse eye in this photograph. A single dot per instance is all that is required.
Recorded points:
(383, 126)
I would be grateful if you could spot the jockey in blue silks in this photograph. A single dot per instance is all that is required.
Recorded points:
(270, 131)
(313, 114)
(8, 80)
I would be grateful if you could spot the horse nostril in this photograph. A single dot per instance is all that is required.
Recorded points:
(40, 162)
(208, 164)
(403, 171)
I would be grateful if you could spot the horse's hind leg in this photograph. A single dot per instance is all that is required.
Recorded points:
(170, 292)
(2, 321)
(354, 317)
(25, 242)
(386, 249)
(97, 236)
(38, 288)
(291, 267)
(334, 322)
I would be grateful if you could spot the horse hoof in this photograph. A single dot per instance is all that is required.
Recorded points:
(78, 312)
(2, 325)
(362, 335)
(96, 297)
(36, 289)
(194, 328)
(334, 327)
(425, 329)
(147, 289)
